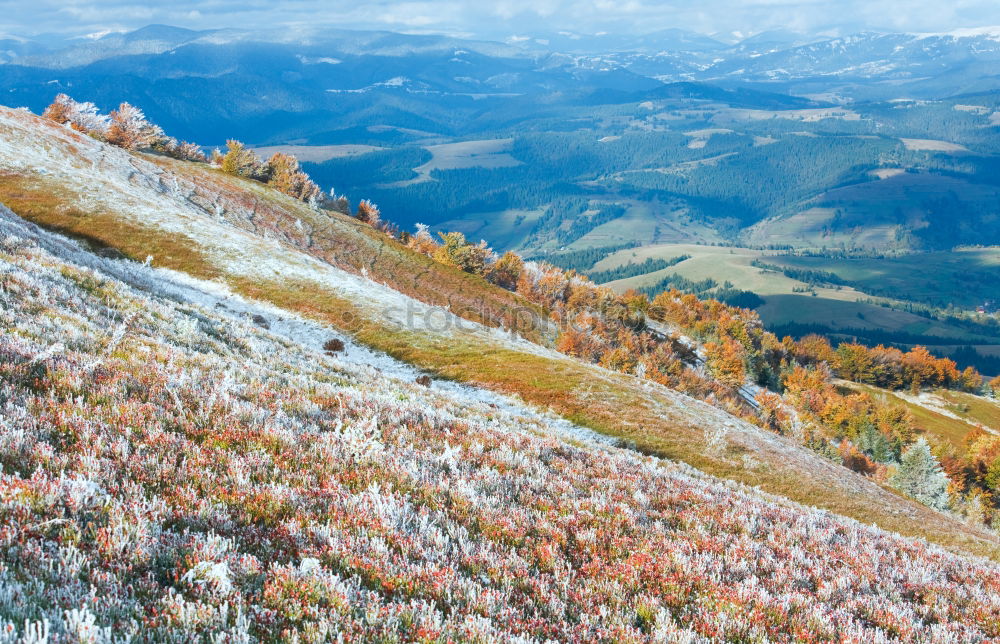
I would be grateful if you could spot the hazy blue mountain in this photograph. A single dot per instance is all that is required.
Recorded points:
(776, 39)
(771, 136)
(152, 39)
(867, 57)
(863, 66)
(658, 41)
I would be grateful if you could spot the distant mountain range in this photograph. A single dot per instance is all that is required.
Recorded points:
(765, 57)
(665, 125)
(270, 86)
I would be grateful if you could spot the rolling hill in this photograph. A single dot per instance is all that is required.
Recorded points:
(181, 472)
(182, 436)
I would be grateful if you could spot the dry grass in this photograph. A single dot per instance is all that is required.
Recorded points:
(44, 202)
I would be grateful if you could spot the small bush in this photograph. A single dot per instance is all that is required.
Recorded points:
(242, 161)
(369, 213)
(333, 345)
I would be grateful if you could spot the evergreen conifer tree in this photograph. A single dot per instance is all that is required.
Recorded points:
(920, 476)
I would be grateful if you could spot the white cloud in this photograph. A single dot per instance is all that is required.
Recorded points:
(502, 17)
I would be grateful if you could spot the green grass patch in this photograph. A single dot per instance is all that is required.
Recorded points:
(975, 408)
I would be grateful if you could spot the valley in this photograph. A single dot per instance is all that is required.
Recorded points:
(648, 180)
(876, 299)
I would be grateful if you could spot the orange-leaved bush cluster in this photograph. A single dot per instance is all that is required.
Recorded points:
(891, 368)
(281, 171)
(127, 127)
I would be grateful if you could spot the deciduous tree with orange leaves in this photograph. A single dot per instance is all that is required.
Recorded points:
(727, 362)
(285, 175)
(369, 213)
(242, 161)
(772, 411)
(505, 271)
(82, 117)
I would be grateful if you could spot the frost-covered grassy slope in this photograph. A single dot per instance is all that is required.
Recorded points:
(266, 246)
(193, 201)
(173, 472)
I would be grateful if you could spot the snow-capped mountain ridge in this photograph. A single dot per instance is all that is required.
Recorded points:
(673, 53)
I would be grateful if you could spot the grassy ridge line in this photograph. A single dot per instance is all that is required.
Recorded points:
(657, 420)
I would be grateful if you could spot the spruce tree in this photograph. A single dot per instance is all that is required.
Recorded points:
(874, 443)
(920, 476)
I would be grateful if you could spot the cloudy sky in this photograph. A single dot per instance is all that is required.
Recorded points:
(499, 18)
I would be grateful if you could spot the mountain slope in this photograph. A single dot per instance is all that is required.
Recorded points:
(269, 247)
(172, 471)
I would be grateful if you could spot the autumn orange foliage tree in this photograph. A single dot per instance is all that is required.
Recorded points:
(422, 241)
(369, 213)
(82, 117)
(130, 129)
(506, 270)
(772, 410)
(726, 360)
(285, 175)
(242, 161)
